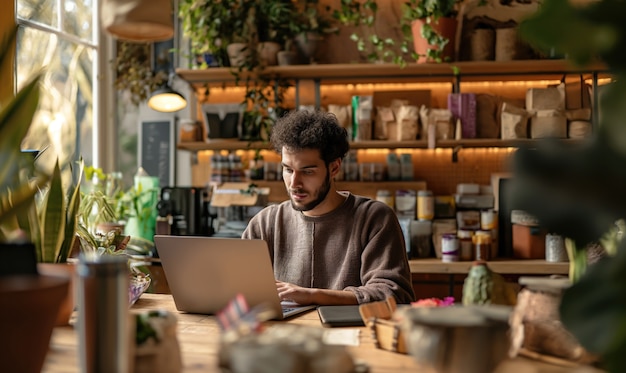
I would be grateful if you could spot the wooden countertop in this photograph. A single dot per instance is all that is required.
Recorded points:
(198, 337)
(502, 266)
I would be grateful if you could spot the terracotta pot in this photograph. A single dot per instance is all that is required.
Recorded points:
(445, 27)
(237, 53)
(29, 305)
(268, 51)
(67, 271)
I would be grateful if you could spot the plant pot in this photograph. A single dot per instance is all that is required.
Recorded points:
(68, 271)
(307, 44)
(286, 58)
(445, 27)
(238, 53)
(29, 305)
(536, 323)
(468, 339)
(267, 52)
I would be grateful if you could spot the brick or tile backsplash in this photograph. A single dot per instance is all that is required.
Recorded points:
(442, 174)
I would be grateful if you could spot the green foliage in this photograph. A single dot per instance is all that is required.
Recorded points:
(133, 71)
(100, 200)
(363, 14)
(578, 190)
(50, 223)
(17, 188)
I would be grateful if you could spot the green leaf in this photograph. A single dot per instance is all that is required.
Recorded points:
(593, 309)
(53, 218)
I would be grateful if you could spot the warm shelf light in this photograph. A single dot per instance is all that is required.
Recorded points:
(166, 100)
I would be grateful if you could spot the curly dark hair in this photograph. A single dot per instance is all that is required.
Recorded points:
(304, 129)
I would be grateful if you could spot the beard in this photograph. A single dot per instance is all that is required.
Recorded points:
(320, 195)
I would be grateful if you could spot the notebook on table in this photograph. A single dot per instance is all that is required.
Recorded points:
(347, 315)
(205, 273)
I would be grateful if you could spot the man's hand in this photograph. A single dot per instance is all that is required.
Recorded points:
(294, 293)
(305, 296)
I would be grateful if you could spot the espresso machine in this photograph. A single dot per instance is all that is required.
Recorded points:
(186, 210)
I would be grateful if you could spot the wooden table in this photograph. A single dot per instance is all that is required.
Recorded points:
(198, 336)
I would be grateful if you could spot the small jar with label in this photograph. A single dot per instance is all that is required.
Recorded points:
(385, 196)
(488, 219)
(482, 245)
(425, 205)
(466, 247)
(449, 248)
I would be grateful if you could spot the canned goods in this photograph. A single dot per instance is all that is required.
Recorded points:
(488, 220)
(425, 205)
(466, 248)
(449, 248)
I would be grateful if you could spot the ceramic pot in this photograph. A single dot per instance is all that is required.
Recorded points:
(268, 51)
(445, 27)
(237, 53)
(286, 58)
(307, 45)
(67, 271)
(468, 339)
(29, 306)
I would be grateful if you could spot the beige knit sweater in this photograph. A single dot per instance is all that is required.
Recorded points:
(357, 247)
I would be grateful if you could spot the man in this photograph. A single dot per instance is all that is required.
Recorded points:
(328, 247)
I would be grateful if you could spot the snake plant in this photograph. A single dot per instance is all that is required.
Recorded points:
(17, 189)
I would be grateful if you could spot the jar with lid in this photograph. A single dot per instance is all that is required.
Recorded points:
(385, 196)
(482, 245)
(449, 247)
(466, 246)
(425, 205)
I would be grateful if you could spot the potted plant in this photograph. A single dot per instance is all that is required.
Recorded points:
(308, 26)
(212, 26)
(29, 304)
(100, 201)
(577, 190)
(134, 73)
(431, 25)
(363, 14)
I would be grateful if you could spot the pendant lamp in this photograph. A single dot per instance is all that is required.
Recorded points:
(166, 100)
(138, 20)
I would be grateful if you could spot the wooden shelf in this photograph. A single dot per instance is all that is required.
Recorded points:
(504, 266)
(362, 188)
(390, 73)
(228, 144)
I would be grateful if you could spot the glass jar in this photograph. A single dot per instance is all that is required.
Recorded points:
(466, 247)
(482, 245)
(449, 248)
(425, 205)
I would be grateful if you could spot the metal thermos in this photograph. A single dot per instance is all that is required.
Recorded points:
(103, 316)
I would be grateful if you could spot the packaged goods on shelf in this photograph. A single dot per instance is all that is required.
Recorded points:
(463, 106)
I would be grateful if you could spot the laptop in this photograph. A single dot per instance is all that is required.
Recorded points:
(205, 273)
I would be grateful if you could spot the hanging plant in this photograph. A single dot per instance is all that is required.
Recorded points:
(134, 73)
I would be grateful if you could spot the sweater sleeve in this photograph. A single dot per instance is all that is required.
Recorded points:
(384, 263)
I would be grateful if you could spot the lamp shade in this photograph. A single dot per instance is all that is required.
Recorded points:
(166, 100)
(138, 20)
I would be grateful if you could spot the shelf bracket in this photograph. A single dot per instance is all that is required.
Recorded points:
(455, 153)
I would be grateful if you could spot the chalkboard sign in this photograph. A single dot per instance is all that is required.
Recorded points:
(156, 153)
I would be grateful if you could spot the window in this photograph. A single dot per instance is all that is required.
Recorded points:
(57, 37)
